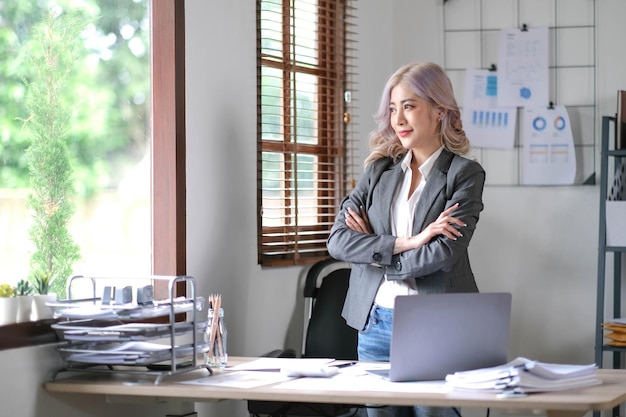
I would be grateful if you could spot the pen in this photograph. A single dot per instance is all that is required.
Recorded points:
(345, 365)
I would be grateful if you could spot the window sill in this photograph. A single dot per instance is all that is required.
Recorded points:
(25, 334)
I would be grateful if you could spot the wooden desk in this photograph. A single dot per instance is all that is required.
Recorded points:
(570, 403)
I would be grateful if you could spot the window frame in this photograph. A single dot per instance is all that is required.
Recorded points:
(169, 235)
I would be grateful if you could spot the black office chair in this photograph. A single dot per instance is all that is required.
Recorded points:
(326, 335)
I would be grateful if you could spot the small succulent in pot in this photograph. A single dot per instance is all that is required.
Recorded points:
(23, 287)
(7, 290)
(41, 281)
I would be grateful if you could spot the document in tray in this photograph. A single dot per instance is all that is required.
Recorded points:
(524, 376)
(88, 312)
(70, 310)
(128, 331)
(129, 353)
(114, 353)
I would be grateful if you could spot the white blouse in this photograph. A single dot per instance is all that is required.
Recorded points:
(402, 217)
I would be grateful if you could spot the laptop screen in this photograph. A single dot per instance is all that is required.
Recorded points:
(434, 335)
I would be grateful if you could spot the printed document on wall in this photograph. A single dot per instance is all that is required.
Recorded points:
(486, 124)
(523, 75)
(548, 146)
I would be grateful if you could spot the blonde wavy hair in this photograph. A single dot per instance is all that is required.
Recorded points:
(429, 82)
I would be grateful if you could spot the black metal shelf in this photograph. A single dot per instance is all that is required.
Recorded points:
(608, 123)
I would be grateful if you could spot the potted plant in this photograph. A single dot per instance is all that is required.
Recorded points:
(8, 304)
(24, 293)
(51, 201)
(41, 281)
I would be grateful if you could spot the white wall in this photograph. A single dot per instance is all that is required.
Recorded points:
(540, 243)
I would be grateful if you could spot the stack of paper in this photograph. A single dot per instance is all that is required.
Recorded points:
(616, 332)
(524, 376)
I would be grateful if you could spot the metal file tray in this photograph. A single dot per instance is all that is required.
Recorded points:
(124, 353)
(97, 337)
(120, 331)
(93, 309)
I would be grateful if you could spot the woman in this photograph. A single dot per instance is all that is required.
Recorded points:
(407, 225)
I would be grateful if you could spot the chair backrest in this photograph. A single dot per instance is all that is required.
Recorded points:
(327, 334)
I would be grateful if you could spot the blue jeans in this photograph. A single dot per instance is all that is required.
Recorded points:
(374, 345)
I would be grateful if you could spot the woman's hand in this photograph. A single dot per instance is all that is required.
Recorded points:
(444, 225)
(358, 221)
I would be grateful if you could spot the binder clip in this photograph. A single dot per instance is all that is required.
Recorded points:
(108, 295)
(124, 295)
(145, 295)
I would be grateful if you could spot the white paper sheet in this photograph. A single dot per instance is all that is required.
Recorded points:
(343, 382)
(239, 379)
(276, 364)
(548, 147)
(523, 76)
(485, 124)
(352, 378)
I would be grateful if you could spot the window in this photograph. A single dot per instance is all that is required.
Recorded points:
(168, 176)
(110, 134)
(98, 77)
(304, 139)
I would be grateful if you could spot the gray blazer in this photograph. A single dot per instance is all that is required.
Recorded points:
(442, 265)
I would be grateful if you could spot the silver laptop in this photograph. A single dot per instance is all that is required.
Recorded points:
(434, 335)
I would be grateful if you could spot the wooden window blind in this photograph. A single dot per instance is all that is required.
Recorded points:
(305, 131)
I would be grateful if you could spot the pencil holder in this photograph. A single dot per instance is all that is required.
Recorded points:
(215, 337)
